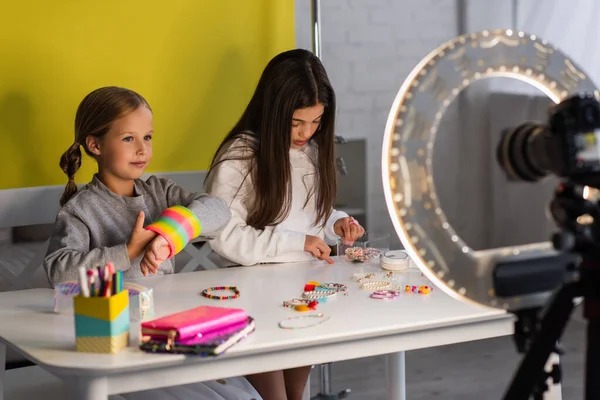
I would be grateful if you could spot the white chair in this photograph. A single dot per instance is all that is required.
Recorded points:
(39, 206)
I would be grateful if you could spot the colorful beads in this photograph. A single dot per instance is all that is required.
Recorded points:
(423, 289)
(312, 304)
(360, 254)
(234, 289)
(314, 294)
(338, 287)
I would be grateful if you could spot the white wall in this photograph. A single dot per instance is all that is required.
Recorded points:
(369, 47)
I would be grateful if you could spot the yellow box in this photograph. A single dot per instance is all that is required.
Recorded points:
(102, 323)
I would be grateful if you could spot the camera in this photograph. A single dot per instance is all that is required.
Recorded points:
(568, 146)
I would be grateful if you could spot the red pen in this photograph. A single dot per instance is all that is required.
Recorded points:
(107, 287)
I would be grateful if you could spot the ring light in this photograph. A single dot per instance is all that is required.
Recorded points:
(408, 146)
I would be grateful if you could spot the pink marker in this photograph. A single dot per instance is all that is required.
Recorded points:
(111, 268)
(92, 274)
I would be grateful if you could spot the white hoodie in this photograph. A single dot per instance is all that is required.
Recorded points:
(245, 245)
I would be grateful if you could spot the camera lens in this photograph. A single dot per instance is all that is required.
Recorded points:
(521, 152)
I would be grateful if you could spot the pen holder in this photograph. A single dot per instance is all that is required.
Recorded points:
(141, 299)
(102, 323)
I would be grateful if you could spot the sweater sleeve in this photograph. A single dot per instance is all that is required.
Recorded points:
(211, 211)
(69, 248)
(239, 242)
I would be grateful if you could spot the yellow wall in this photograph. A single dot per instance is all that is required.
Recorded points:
(196, 62)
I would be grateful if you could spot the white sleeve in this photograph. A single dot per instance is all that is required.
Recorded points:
(330, 236)
(238, 241)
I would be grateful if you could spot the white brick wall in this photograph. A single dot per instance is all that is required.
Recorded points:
(369, 47)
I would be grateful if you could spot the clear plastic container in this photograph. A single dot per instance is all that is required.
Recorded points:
(395, 260)
(141, 299)
(367, 248)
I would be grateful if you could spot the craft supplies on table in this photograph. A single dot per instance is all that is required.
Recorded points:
(203, 330)
(366, 248)
(314, 294)
(233, 289)
(211, 344)
(385, 294)
(391, 283)
(141, 299)
(303, 321)
(394, 260)
(101, 311)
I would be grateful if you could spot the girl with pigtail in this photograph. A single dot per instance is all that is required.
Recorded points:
(133, 223)
(118, 217)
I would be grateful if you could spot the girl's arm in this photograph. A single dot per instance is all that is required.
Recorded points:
(69, 248)
(211, 211)
(330, 236)
(240, 242)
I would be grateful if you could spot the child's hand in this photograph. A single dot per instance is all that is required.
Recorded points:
(348, 229)
(157, 251)
(139, 238)
(318, 248)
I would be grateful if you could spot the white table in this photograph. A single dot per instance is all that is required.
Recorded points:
(359, 327)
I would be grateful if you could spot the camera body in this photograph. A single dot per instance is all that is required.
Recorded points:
(568, 146)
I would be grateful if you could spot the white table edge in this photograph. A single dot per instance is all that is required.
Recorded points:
(157, 376)
(174, 360)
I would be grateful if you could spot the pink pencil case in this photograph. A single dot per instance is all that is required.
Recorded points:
(193, 323)
(216, 334)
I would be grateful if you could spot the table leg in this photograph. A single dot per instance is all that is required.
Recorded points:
(306, 394)
(89, 388)
(395, 372)
(2, 368)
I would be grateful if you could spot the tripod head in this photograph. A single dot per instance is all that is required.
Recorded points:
(575, 209)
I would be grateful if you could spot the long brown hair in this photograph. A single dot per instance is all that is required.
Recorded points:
(94, 117)
(292, 80)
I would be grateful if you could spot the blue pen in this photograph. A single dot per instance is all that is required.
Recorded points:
(120, 273)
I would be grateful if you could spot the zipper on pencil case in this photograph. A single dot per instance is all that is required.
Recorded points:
(171, 335)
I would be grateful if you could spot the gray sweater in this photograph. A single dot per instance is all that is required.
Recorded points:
(93, 227)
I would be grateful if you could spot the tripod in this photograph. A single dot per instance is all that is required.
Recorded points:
(576, 215)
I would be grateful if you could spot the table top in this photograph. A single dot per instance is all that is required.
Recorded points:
(32, 328)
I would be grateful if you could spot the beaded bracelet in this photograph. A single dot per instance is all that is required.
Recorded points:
(234, 289)
(292, 323)
(385, 294)
(376, 285)
(315, 295)
(295, 302)
(363, 277)
(338, 287)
